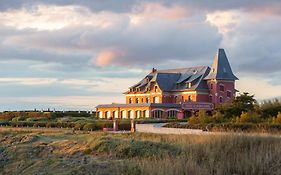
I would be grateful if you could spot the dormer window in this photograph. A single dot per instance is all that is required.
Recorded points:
(189, 84)
(155, 89)
(147, 79)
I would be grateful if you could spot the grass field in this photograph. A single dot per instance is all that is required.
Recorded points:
(64, 152)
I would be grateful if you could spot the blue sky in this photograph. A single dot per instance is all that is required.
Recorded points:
(77, 54)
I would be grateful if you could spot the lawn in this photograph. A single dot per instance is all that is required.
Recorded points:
(64, 152)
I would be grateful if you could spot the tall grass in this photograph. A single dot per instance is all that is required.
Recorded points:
(214, 154)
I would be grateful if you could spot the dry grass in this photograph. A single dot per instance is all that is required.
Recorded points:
(139, 153)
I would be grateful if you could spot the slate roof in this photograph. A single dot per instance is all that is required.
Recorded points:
(221, 69)
(175, 79)
(171, 80)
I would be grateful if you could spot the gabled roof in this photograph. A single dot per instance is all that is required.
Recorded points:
(221, 69)
(175, 79)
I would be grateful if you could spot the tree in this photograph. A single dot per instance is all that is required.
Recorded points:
(245, 102)
(242, 103)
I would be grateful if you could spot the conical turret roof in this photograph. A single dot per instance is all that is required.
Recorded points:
(221, 69)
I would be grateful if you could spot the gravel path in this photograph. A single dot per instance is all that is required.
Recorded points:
(157, 128)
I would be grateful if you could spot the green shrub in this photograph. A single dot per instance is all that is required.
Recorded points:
(89, 127)
(78, 126)
(17, 119)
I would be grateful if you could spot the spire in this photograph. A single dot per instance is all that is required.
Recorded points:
(221, 69)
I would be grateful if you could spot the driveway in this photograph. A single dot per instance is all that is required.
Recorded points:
(159, 129)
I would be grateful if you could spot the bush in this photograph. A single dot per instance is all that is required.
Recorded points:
(78, 126)
(17, 119)
(218, 118)
(246, 117)
(89, 127)
(277, 119)
(202, 118)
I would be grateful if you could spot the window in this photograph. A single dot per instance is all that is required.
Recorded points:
(189, 85)
(137, 100)
(156, 89)
(190, 98)
(222, 87)
(211, 85)
(147, 100)
(142, 100)
(130, 100)
(221, 100)
(211, 98)
(176, 99)
(172, 114)
(157, 114)
(155, 99)
(182, 99)
(228, 94)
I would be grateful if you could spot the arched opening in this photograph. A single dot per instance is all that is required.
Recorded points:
(138, 114)
(131, 114)
(157, 114)
(107, 114)
(172, 114)
(123, 114)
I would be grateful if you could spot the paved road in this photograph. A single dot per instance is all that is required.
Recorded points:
(157, 128)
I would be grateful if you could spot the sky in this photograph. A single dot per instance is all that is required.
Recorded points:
(73, 55)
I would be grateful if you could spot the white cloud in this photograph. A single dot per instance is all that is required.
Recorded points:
(50, 17)
(261, 88)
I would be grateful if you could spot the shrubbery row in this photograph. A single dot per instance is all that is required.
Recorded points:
(93, 126)
(232, 127)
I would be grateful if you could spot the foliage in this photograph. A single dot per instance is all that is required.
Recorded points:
(242, 103)
(201, 118)
(270, 108)
(248, 117)
(277, 119)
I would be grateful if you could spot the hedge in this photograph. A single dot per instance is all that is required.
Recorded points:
(89, 126)
(230, 127)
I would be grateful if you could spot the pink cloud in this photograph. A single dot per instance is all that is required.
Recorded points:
(106, 57)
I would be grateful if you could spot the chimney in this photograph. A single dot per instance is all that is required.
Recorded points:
(154, 70)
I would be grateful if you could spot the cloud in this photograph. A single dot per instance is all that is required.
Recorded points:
(124, 42)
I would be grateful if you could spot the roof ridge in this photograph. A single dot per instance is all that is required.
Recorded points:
(183, 68)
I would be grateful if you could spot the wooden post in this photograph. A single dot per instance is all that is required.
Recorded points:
(133, 125)
(115, 125)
